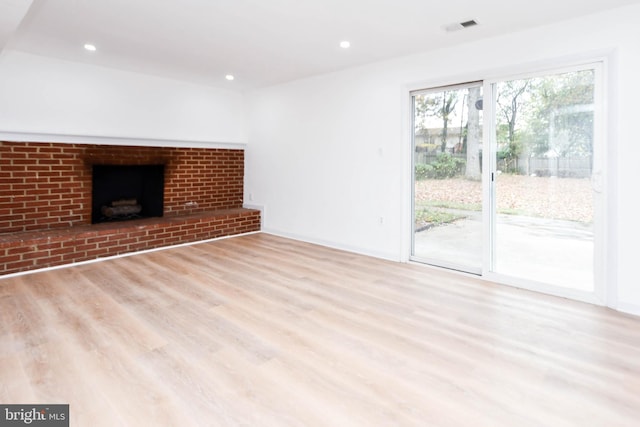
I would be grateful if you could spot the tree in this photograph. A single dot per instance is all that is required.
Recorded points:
(473, 134)
(449, 101)
(440, 105)
(561, 122)
(511, 97)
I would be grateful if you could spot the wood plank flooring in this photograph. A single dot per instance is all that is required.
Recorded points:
(264, 331)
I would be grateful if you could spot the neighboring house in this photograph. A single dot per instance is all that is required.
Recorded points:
(430, 140)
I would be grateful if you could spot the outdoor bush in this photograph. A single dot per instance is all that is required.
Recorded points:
(422, 171)
(446, 166)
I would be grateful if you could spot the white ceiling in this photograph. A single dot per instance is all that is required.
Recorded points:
(261, 42)
(11, 13)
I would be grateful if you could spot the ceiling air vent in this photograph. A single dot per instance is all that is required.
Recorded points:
(457, 26)
(467, 24)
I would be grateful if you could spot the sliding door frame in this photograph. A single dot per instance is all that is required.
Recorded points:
(598, 296)
(412, 256)
(604, 242)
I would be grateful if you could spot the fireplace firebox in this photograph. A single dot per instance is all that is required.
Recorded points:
(125, 192)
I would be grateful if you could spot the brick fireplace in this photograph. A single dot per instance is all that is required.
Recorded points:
(46, 201)
(126, 192)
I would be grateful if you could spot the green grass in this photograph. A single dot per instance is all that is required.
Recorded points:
(452, 205)
(436, 217)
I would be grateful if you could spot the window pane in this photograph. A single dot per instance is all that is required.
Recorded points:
(544, 198)
(447, 177)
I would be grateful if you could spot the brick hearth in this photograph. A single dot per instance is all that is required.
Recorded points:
(45, 202)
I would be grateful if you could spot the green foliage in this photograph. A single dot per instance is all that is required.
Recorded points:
(422, 171)
(545, 116)
(441, 105)
(557, 115)
(510, 152)
(446, 166)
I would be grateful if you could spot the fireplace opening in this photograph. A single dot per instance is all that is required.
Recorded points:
(125, 192)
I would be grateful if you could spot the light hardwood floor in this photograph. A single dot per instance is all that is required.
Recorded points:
(259, 330)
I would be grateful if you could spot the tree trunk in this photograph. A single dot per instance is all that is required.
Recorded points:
(473, 136)
(445, 122)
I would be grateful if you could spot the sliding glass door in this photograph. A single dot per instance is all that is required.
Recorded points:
(447, 181)
(520, 205)
(544, 162)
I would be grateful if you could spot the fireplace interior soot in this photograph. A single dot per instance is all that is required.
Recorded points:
(127, 192)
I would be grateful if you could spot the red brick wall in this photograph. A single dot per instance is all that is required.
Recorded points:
(48, 185)
(33, 250)
(42, 186)
(45, 202)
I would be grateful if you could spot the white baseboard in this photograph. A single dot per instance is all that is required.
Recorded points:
(628, 308)
(334, 245)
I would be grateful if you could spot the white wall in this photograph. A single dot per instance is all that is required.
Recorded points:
(50, 96)
(328, 156)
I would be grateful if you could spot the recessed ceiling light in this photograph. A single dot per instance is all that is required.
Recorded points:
(345, 44)
(229, 77)
(90, 47)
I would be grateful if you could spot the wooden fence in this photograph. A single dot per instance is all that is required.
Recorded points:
(576, 167)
